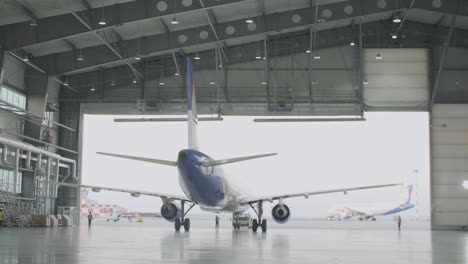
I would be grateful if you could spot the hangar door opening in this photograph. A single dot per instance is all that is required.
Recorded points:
(389, 147)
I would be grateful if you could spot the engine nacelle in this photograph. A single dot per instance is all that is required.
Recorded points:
(280, 213)
(170, 211)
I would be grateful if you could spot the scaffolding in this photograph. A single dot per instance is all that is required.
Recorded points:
(46, 173)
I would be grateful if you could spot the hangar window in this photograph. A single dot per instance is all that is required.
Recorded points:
(8, 183)
(11, 99)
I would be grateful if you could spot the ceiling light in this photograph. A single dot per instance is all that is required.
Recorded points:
(162, 83)
(197, 56)
(378, 57)
(396, 19)
(174, 21)
(137, 57)
(465, 184)
(66, 83)
(258, 57)
(307, 51)
(321, 19)
(394, 36)
(92, 89)
(264, 58)
(220, 66)
(26, 58)
(352, 43)
(314, 81)
(134, 80)
(249, 20)
(264, 82)
(112, 83)
(102, 22)
(33, 23)
(176, 74)
(80, 57)
(366, 82)
(212, 83)
(317, 56)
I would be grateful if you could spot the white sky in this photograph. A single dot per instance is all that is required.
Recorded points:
(386, 148)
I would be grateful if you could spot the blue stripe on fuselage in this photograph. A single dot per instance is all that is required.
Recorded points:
(201, 184)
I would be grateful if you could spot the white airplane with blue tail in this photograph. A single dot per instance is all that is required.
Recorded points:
(369, 212)
(204, 183)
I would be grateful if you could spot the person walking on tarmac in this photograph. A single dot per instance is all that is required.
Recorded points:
(399, 223)
(217, 221)
(1, 217)
(90, 219)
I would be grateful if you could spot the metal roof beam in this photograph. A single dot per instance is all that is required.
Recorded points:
(164, 43)
(138, 75)
(52, 28)
(26, 10)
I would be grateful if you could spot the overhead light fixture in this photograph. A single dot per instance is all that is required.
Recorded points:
(307, 51)
(92, 89)
(321, 19)
(33, 23)
(396, 19)
(352, 43)
(80, 57)
(317, 56)
(220, 66)
(249, 20)
(102, 22)
(162, 83)
(176, 74)
(112, 83)
(197, 56)
(394, 36)
(137, 57)
(366, 82)
(25, 58)
(378, 57)
(258, 56)
(314, 81)
(264, 58)
(174, 21)
(66, 83)
(212, 83)
(465, 184)
(264, 83)
(135, 80)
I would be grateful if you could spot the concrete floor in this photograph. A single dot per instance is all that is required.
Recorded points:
(157, 243)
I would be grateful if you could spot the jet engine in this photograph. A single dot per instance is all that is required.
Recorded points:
(170, 211)
(280, 213)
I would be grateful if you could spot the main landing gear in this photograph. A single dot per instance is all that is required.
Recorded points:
(182, 221)
(256, 223)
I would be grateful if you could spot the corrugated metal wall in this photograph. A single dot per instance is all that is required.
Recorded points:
(399, 80)
(449, 158)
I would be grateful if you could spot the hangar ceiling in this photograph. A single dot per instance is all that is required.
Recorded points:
(112, 35)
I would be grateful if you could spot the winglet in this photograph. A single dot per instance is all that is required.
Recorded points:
(226, 161)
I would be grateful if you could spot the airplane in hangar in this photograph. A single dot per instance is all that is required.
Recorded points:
(202, 180)
(369, 212)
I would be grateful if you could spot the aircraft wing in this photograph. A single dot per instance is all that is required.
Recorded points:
(307, 194)
(133, 193)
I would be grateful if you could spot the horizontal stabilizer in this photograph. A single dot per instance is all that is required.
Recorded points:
(226, 161)
(168, 119)
(162, 162)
